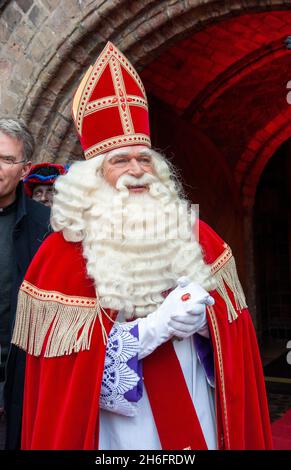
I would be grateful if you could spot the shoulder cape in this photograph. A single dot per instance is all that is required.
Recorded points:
(60, 324)
(63, 329)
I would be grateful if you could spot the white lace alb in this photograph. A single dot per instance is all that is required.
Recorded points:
(118, 377)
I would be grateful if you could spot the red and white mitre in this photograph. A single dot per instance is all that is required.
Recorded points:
(110, 107)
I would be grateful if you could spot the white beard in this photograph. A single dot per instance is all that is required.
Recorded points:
(131, 267)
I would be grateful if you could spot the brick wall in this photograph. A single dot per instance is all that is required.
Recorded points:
(46, 44)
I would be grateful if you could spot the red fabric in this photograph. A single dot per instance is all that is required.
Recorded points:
(281, 430)
(112, 105)
(241, 403)
(104, 86)
(61, 400)
(61, 394)
(243, 416)
(100, 121)
(140, 119)
(172, 407)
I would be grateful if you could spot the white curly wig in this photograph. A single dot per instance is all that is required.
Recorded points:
(130, 271)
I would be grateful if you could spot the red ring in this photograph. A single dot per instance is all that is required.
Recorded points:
(185, 297)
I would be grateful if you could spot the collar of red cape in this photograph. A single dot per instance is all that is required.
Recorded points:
(58, 306)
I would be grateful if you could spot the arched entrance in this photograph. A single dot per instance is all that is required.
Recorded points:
(272, 241)
(272, 256)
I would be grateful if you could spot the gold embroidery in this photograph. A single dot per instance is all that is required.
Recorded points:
(93, 78)
(220, 366)
(122, 98)
(222, 259)
(54, 296)
(116, 60)
(110, 101)
(118, 141)
(98, 105)
(66, 321)
(225, 274)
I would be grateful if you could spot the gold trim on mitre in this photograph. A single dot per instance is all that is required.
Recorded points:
(83, 106)
(79, 92)
(225, 274)
(66, 321)
(116, 142)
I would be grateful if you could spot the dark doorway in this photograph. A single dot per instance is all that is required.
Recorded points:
(272, 236)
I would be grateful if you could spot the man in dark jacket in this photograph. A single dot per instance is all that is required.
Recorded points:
(24, 224)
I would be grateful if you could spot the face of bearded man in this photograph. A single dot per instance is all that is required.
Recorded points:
(137, 232)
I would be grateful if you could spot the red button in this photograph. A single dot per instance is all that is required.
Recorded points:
(185, 297)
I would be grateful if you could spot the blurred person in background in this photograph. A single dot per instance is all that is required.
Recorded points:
(24, 224)
(39, 183)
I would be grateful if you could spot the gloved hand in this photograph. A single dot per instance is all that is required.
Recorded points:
(182, 314)
(194, 319)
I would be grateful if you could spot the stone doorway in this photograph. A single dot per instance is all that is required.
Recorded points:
(272, 243)
(272, 250)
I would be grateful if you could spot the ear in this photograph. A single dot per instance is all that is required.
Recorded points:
(25, 169)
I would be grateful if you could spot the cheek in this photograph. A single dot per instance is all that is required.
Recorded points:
(112, 175)
(9, 181)
(13, 178)
(151, 171)
(20, 173)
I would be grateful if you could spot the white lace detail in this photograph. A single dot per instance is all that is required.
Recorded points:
(118, 377)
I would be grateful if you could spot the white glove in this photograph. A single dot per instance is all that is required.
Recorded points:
(194, 318)
(175, 317)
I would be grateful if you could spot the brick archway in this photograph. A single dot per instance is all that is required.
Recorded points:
(42, 60)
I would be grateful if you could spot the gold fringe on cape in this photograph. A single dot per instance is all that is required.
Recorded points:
(225, 273)
(69, 321)
(69, 327)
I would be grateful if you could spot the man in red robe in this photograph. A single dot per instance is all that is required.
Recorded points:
(132, 315)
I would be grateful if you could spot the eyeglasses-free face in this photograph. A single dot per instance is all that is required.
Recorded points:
(132, 160)
(43, 193)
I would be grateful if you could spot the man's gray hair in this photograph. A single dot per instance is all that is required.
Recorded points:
(15, 129)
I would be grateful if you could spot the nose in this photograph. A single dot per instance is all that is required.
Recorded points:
(135, 169)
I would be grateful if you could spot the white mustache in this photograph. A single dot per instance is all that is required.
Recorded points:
(128, 180)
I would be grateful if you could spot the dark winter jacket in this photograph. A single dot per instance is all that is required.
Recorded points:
(30, 230)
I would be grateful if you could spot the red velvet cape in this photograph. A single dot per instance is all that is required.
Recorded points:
(241, 403)
(61, 393)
